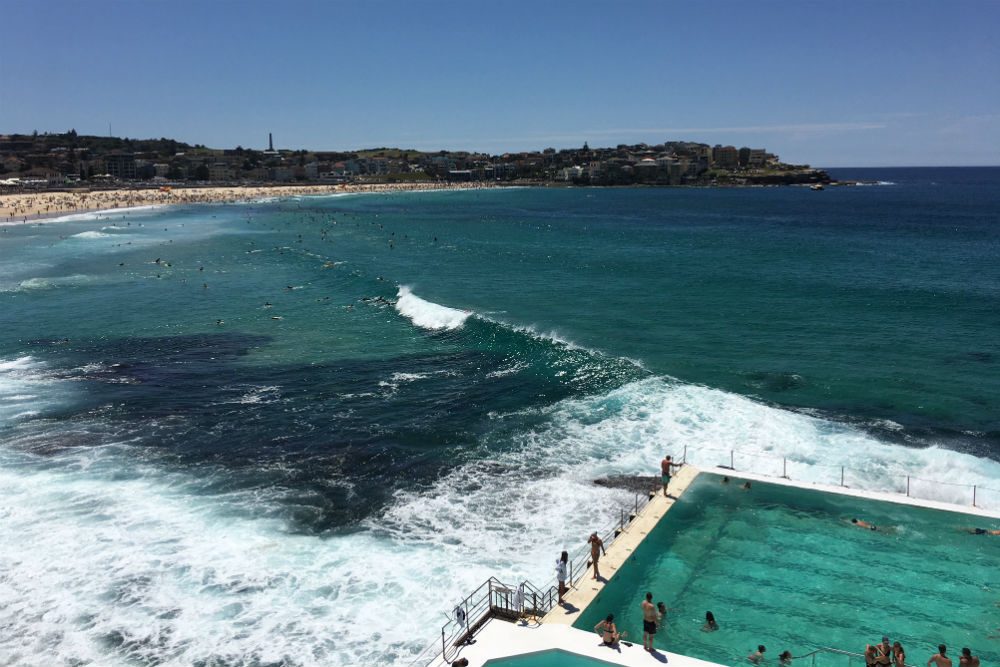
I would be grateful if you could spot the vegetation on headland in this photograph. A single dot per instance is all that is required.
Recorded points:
(67, 158)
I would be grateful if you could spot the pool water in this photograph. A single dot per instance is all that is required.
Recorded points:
(553, 658)
(784, 567)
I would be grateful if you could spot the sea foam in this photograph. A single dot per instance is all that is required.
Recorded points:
(428, 315)
(145, 567)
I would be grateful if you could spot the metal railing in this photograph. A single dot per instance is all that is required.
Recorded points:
(496, 599)
(762, 462)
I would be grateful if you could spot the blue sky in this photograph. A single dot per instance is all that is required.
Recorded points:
(864, 83)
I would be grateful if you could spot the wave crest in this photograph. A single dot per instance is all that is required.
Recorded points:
(429, 315)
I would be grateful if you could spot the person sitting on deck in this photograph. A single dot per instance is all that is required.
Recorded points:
(608, 631)
(757, 655)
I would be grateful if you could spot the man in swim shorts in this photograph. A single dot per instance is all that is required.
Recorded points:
(648, 621)
(666, 465)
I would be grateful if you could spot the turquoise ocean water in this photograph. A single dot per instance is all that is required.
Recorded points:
(324, 413)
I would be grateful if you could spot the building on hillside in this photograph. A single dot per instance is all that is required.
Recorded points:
(120, 166)
(221, 171)
(726, 157)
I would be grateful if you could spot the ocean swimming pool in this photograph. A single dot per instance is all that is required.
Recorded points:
(553, 658)
(784, 567)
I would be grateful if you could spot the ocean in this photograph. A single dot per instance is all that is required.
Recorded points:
(299, 431)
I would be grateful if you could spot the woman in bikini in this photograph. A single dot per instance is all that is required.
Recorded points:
(609, 633)
(898, 655)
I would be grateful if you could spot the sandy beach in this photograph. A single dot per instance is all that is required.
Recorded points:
(38, 206)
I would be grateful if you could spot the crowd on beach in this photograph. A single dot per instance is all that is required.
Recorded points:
(25, 206)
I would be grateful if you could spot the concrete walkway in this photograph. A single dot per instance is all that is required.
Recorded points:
(620, 550)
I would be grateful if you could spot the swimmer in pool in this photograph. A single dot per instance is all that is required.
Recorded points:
(983, 531)
(860, 523)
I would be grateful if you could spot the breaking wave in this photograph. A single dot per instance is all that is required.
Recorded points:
(429, 315)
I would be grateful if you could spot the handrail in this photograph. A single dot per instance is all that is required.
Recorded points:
(496, 598)
(900, 483)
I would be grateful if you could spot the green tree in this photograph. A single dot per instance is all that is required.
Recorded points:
(201, 173)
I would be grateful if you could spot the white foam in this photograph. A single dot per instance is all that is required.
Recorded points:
(193, 577)
(91, 235)
(104, 213)
(26, 383)
(140, 559)
(53, 282)
(429, 315)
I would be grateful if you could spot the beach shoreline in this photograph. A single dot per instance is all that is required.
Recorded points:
(38, 207)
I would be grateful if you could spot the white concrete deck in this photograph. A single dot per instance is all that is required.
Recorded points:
(500, 639)
(888, 497)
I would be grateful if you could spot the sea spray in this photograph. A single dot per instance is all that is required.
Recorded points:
(428, 315)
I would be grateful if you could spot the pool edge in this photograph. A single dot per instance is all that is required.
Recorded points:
(586, 590)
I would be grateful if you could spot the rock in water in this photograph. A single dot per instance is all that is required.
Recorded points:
(634, 483)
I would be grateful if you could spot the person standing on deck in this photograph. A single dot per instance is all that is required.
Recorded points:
(596, 550)
(666, 466)
(649, 619)
(940, 659)
(562, 574)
